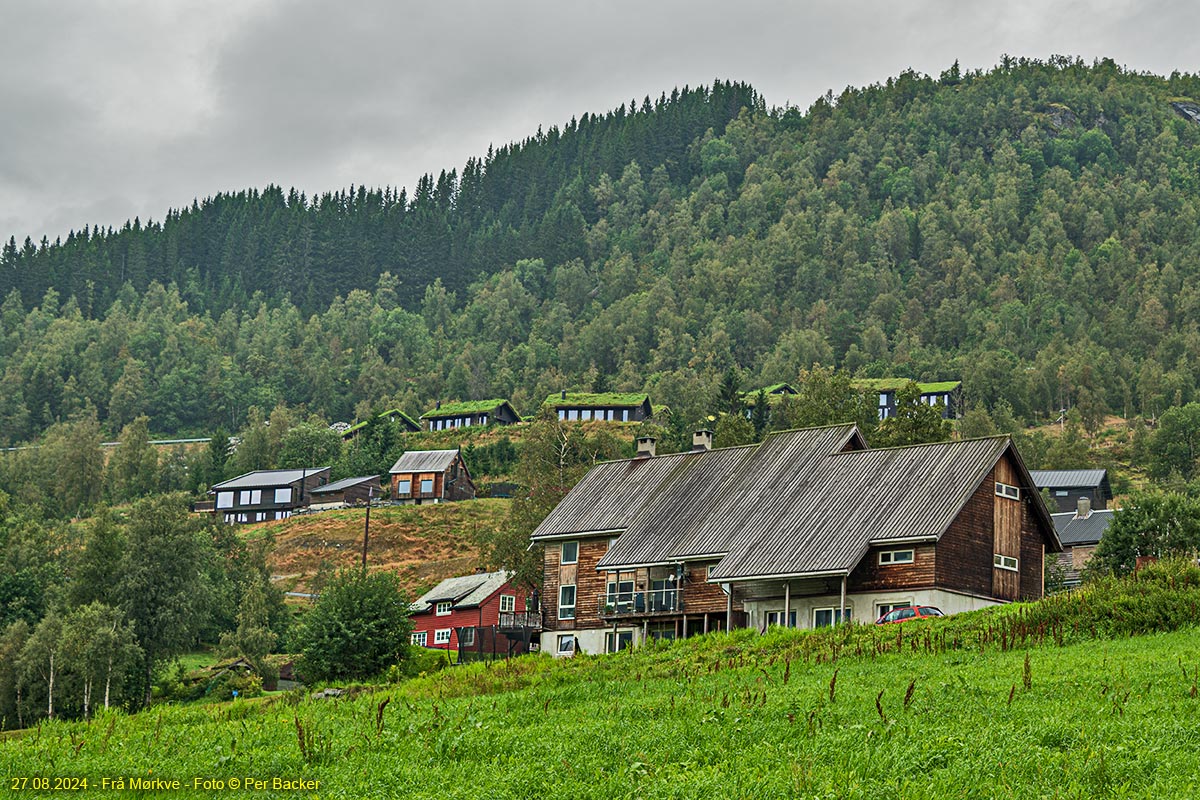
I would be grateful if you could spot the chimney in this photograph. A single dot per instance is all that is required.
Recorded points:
(564, 394)
(646, 446)
(439, 405)
(1083, 509)
(702, 440)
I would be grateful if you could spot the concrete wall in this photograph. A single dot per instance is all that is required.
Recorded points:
(863, 607)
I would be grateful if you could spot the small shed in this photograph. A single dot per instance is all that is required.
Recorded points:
(346, 492)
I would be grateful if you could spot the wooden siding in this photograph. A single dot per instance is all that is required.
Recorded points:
(1033, 556)
(702, 597)
(1007, 528)
(870, 575)
(964, 553)
(589, 584)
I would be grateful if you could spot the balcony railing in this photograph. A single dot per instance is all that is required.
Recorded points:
(642, 603)
(516, 620)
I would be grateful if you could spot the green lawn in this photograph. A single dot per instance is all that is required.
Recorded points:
(723, 716)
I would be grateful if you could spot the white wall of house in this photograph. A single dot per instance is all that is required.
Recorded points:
(590, 641)
(865, 607)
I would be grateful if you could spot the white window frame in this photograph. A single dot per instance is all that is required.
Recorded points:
(1008, 491)
(283, 495)
(563, 553)
(442, 636)
(776, 617)
(567, 610)
(566, 643)
(225, 499)
(466, 637)
(710, 570)
(420, 638)
(1006, 562)
(444, 608)
(847, 615)
(889, 558)
(508, 603)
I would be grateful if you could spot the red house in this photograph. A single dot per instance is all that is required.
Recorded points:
(481, 613)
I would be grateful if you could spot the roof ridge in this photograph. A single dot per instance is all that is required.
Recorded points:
(1007, 436)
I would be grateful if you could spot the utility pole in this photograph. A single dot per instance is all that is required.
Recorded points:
(367, 526)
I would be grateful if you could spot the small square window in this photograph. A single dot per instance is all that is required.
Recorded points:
(404, 487)
(441, 636)
(420, 638)
(570, 553)
(427, 486)
(566, 644)
(444, 607)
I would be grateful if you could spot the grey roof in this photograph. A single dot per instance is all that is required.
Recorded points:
(267, 478)
(425, 461)
(343, 484)
(807, 502)
(1073, 530)
(465, 591)
(1068, 478)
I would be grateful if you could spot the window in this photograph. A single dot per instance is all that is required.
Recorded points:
(244, 497)
(562, 413)
(882, 609)
(420, 638)
(283, 495)
(441, 636)
(895, 557)
(570, 553)
(443, 608)
(1004, 490)
(620, 598)
(483, 419)
(404, 487)
(615, 643)
(825, 617)
(1005, 562)
(710, 570)
(466, 637)
(882, 399)
(776, 618)
(508, 602)
(1061, 493)
(573, 414)
(261, 516)
(427, 486)
(566, 602)
(224, 499)
(566, 644)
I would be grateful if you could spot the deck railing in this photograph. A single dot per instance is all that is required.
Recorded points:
(512, 620)
(640, 603)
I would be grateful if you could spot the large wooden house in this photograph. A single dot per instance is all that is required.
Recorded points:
(808, 528)
(431, 476)
(459, 613)
(448, 416)
(608, 406)
(947, 393)
(267, 494)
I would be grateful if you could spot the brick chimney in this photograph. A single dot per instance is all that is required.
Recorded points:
(702, 440)
(1083, 508)
(646, 446)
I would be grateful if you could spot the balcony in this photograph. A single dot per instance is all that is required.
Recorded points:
(520, 620)
(647, 603)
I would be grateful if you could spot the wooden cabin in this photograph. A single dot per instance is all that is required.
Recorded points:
(885, 390)
(346, 492)
(431, 476)
(1069, 486)
(449, 416)
(267, 494)
(606, 406)
(407, 423)
(808, 528)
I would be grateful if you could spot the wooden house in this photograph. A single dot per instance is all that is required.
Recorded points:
(407, 423)
(1069, 486)
(808, 528)
(948, 393)
(608, 406)
(267, 494)
(775, 394)
(346, 492)
(1080, 531)
(431, 476)
(459, 613)
(449, 416)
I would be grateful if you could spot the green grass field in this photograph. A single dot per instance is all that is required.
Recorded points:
(975, 706)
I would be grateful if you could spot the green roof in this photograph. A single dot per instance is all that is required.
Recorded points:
(896, 384)
(384, 415)
(467, 407)
(597, 399)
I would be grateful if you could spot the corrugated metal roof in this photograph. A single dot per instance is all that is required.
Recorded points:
(465, 591)
(267, 478)
(1068, 478)
(344, 483)
(1073, 530)
(425, 461)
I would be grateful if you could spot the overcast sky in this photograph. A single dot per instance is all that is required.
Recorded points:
(111, 109)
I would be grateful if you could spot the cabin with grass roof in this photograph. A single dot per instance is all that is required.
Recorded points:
(948, 393)
(407, 423)
(606, 406)
(449, 416)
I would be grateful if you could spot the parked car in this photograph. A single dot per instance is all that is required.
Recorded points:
(909, 612)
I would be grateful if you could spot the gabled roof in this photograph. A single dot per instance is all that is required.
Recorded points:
(774, 388)
(424, 461)
(896, 384)
(267, 478)
(1070, 479)
(467, 407)
(408, 421)
(1073, 530)
(343, 484)
(597, 399)
(465, 591)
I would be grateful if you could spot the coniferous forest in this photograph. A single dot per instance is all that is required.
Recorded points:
(1031, 229)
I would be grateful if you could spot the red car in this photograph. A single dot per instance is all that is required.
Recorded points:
(909, 612)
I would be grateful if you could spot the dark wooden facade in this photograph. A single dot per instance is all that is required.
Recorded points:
(266, 495)
(448, 484)
(464, 415)
(351, 492)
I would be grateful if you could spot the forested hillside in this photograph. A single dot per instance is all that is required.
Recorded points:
(1032, 230)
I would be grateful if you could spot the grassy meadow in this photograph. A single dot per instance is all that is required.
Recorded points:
(1092, 695)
